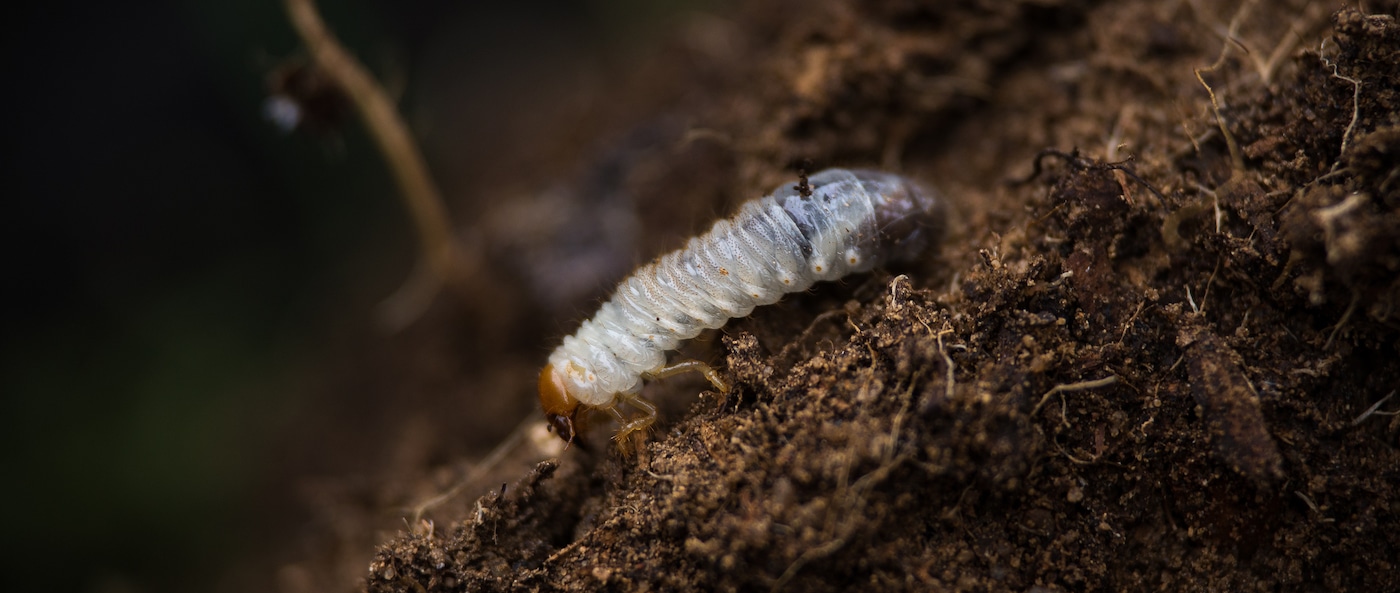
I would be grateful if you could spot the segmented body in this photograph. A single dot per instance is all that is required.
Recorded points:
(839, 223)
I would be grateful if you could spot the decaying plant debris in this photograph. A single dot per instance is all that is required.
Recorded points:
(1151, 365)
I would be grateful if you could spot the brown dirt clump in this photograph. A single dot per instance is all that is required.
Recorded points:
(1149, 363)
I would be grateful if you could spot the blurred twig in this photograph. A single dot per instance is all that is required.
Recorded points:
(443, 262)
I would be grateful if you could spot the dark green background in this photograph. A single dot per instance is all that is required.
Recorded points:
(173, 263)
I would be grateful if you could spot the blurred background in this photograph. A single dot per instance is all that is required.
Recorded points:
(182, 274)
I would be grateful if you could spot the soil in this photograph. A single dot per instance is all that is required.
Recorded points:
(1148, 355)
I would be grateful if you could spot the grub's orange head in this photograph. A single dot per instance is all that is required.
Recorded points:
(560, 407)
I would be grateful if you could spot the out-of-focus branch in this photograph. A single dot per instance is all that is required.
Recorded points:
(443, 261)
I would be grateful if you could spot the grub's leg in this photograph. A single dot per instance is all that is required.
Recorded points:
(636, 424)
(691, 366)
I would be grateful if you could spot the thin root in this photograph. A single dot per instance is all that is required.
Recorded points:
(1236, 155)
(488, 463)
(1069, 387)
(1078, 162)
(1346, 316)
(444, 260)
(1372, 411)
(1355, 104)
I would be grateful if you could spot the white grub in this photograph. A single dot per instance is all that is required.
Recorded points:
(838, 222)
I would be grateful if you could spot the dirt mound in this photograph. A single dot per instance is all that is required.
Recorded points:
(1150, 363)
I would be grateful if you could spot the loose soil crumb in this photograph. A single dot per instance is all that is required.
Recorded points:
(1145, 367)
